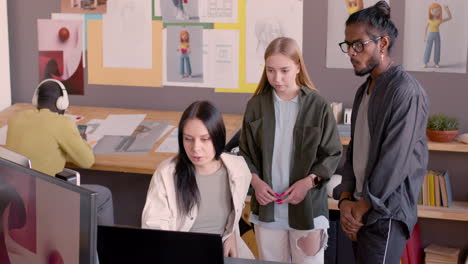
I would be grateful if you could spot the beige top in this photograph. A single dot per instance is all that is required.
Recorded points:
(161, 211)
(215, 203)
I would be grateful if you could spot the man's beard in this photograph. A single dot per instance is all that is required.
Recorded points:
(371, 64)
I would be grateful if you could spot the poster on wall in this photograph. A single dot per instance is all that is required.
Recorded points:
(127, 35)
(60, 47)
(218, 11)
(338, 13)
(5, 90)
(222, 58)
(184, 56)
(180, 11)
(84, 6)
(436, 39)
(156, 9)
(277, 18)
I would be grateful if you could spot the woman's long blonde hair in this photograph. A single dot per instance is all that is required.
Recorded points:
(289, 48)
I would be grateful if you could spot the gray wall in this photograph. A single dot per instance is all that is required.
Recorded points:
(447, 92)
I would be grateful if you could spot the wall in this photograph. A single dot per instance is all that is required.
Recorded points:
(5, 89)
(447, 92)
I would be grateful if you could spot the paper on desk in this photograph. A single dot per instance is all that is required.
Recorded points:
(170, 144)
(139, 143)
(93, 139)
(119, 125)
(75, 118)
(3, 135)
(93, 124)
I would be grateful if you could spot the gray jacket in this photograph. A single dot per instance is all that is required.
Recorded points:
(397, 116)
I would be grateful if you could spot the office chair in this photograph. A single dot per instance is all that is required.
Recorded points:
(15, 157)
(66, 175)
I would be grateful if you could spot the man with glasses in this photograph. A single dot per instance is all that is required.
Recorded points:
(387, 155)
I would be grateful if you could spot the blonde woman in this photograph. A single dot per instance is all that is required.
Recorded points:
(291, 144)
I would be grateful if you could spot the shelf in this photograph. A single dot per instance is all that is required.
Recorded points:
(434, 146)
(457, 212)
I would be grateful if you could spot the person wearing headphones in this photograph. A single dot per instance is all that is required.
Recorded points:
(48, 139)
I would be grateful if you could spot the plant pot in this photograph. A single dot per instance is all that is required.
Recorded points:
(441, 136)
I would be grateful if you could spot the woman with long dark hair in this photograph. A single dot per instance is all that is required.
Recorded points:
(201, 189)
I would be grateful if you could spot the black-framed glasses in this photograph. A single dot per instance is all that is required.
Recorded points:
(358, 46)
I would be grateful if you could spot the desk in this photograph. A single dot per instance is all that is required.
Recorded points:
(146, 164)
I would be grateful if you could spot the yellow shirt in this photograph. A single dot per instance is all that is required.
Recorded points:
(434, 25)
(47, 138)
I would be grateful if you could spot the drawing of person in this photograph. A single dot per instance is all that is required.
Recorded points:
(184, 49)
(267, 30)
(354, 5)
(433, 38)
(180, 12)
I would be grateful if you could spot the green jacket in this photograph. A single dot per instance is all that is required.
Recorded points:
(317, 149)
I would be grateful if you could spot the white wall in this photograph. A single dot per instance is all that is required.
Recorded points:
(5, 88)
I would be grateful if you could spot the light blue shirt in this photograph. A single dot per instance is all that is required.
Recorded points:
(285, 119)
(361, 145)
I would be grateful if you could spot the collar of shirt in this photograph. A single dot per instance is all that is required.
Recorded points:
(277, 99)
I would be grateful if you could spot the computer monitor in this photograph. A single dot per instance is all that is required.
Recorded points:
(44, 219)
(118, 244)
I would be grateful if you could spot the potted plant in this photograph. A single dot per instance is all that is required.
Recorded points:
(441, 128)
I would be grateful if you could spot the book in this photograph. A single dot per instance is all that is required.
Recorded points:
(425, 190)
(437, 188)
(441, 255)
(431, 188)
(420, 196)
(446, 189)
(442, 251)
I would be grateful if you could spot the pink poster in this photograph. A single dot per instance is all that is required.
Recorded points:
(60, 45)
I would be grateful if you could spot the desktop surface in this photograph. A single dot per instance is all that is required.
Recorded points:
(145, 164)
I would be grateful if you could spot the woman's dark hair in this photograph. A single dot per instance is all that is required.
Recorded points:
(187, 192)
(377, 21)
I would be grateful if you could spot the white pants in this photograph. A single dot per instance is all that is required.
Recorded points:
(282, 245)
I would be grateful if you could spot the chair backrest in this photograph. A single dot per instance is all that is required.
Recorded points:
(74, 176)
(14, 157)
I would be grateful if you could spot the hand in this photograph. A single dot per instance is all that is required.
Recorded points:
(83, 136)
(348, 223)
(359, 209)
(229, 246)
(263, 191)
(352, 236)
(298, 190)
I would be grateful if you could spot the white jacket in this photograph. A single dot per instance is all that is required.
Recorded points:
(161, 211)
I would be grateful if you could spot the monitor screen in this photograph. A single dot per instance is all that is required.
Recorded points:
(44, 219)
(117, 244)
